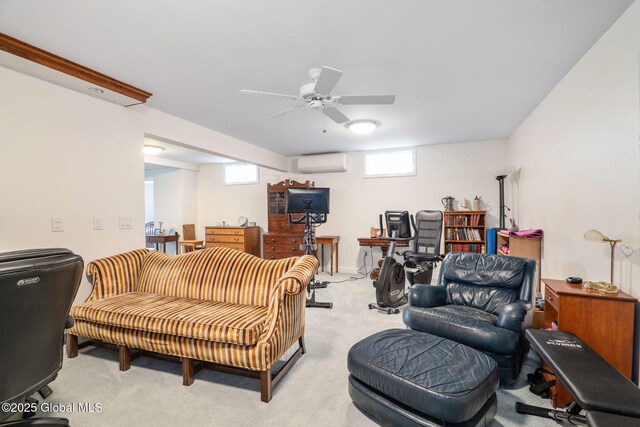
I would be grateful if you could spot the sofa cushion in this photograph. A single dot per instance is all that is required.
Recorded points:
(486, 282)
(201, 319)
(214, 274)
(466, 325)
(433, 375)
(487, 270)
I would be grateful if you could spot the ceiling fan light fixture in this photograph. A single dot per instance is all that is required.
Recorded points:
(363, 126)
(152, 150)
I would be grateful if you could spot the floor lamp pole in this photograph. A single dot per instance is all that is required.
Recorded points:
(500, 179)
(613, 249)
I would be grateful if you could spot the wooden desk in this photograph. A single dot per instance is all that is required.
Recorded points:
(382, 244)
(332, 241)
(603, 321)
(163, 239)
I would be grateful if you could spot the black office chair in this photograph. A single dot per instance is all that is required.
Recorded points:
(37, 288)
(425, 249)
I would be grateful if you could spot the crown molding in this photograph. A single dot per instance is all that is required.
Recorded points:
(47, 59)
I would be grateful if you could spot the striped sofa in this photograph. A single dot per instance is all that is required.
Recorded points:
(217, 308)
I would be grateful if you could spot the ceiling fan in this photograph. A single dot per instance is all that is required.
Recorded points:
(318, 95)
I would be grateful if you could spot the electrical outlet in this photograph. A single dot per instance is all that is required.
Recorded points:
(57, 224)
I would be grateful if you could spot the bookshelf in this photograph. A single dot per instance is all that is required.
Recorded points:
(464, 231)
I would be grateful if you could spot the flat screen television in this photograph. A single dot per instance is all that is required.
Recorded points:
(312, 200)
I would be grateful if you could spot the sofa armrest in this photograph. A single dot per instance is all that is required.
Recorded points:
(427, 296)
(296, 279)
(114, 275)
(512, 315)
(289, 288)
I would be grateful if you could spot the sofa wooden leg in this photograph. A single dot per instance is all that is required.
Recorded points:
(265, 386)
(188, 371)
(124, 354)
(301, 342)
(72, 346)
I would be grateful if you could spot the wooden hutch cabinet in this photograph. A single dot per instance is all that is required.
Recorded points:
(283, 239)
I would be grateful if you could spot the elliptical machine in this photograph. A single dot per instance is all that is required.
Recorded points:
(390, 284)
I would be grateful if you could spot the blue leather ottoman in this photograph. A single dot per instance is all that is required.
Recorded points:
(403, 377)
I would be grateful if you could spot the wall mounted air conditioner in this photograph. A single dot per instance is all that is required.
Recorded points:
(323, 163)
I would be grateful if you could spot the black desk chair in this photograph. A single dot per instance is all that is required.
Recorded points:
(421, 259)
(37, 288)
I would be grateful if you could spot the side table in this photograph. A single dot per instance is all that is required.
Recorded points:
(333, 241)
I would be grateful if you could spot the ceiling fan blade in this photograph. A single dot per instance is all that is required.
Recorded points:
(327, 80)
(285, 111)
(335, 115)
(365, 99)
(258, 92)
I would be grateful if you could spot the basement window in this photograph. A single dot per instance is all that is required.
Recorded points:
(394, 162)
(240, 173)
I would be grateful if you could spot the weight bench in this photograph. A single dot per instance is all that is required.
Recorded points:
(609, 397)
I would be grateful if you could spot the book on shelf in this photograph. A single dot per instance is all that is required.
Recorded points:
(465, 247)
(463, 234)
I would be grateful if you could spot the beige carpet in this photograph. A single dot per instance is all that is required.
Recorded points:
(313, 393)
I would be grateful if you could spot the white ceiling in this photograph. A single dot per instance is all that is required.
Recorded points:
(460, 69)
(173, 151)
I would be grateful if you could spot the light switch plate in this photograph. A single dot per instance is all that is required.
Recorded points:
(57, 224)
(125, 222)
(97, 223)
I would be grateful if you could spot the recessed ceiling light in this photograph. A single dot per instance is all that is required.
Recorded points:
(362, 127)
(152, 150)
(95, 90)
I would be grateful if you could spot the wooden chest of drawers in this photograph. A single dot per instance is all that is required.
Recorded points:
(604, 321)
(246, 239)
(282, 245)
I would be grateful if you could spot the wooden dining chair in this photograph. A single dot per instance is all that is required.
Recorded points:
(148, 228)
(189, 242)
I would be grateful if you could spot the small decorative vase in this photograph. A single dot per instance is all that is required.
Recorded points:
(477, 203)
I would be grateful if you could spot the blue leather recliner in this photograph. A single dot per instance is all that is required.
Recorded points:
(482, 301)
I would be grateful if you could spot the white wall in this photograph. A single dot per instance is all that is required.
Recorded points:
(67, 154)
(172, 129)
(459, 170)
(149, 208)
(580, 163)
(579, 158)
(175, 200)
